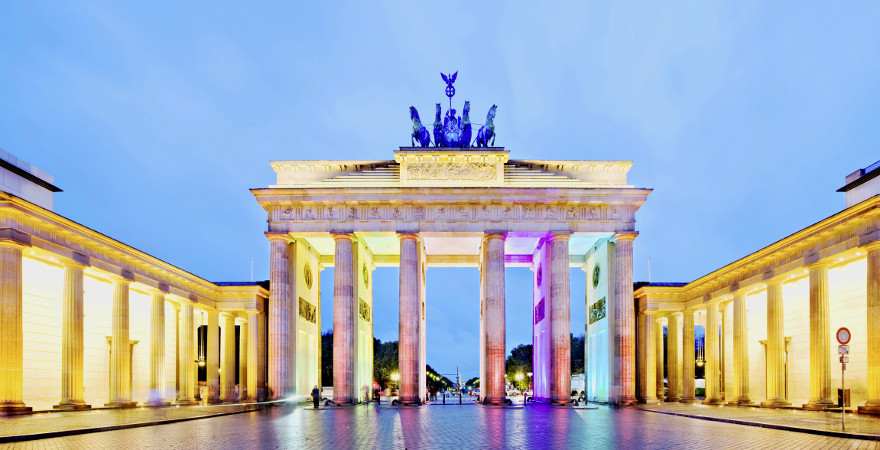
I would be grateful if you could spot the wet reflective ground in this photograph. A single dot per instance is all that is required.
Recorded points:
(447, 427)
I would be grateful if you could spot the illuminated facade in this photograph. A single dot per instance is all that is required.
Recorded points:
(69, 293)
(451, 207)
(770, 317)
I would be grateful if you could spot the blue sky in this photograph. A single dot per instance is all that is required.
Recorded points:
(156, 117)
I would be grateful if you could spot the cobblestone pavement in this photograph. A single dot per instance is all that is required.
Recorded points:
(448, 427)
(57, 422)
(791, 418)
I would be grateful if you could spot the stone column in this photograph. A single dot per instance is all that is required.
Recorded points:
(186, 362)
(11, 332)
(623, 369)
(673, 357)
(492, 253)
(688, 378)
(243, 361)
(872, 404)
(775, 346)
(713, 353)
(344, 306)
(649, 357)
(212, 366)
(72, 339)
(820, 339)
(658, 354)
(254, 337)
(560, 318)
(280, 320)
(410, 319)
(227, 373)
(157, 351)
(740, 350)
(120, 348)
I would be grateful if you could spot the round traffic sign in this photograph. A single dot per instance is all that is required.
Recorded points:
(843, 335)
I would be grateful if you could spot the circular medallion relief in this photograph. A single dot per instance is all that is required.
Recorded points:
(596, 273)
(307, 275)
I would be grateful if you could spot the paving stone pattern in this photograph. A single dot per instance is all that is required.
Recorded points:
(448, 427)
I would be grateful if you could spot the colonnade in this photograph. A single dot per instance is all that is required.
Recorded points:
(120, 363)
(551, 263)
(821, 343)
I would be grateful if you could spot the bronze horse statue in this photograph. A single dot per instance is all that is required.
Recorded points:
(419, 133)
(487, 131)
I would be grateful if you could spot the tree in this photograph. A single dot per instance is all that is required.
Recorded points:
(577, 354)
(327, 358)
(384, 361)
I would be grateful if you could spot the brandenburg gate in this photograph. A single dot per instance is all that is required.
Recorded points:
(450, 207)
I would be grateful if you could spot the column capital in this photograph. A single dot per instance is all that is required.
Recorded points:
(625, 235)
(408, 235)
(870, 246)
(559, 235)
(15, 238)
(124, 276)
(277, 236)
(342, 235)
(495, 234)
(76, 261)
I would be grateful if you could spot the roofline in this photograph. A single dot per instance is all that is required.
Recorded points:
(861, 180)
(112, 241)
(870, 203)
(28, 176)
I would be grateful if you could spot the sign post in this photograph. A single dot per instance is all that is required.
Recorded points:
(843, 336)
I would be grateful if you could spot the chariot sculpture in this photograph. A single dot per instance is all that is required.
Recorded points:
(453, 131)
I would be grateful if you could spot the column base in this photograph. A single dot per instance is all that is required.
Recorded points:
(775, 404)
(651, 401)
(157, 403)
(741, 402)
(188, 402)
(819, 405)
(713, 401)
(686, 400)
(71, 406)
(498, 401)
(871, 409)
(14, 409)
(121, 404)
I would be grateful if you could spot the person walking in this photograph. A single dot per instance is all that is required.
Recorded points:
(316, 396)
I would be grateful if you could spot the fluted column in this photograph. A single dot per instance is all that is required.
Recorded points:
(120, 348)
(243, 368)
(157, 350)
(492, 263)
(820, 339)
(658, 355)
(673, 357)
(227, 373)
(872, 404)
(344, 306)
(775, 346)
(409, 319)
(280, 320)
(623, 368)
(560, 318)
(740, 349)
(72, 339)
(649, 357)
(11, 332)
(688, 377)
(253, 354)
(212, 366)
(713, 360)
(185, 359)
(186, 362)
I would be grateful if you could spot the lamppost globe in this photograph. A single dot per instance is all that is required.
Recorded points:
(395, 376)
(518, 376)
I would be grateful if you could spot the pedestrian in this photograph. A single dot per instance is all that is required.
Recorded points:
(316, 396)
